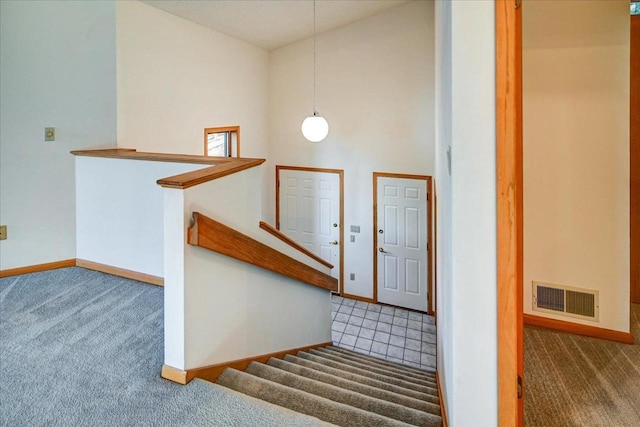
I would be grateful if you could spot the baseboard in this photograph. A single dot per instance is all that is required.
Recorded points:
(443, 407)
(116, 271)
(38, 268)
(578, 329)
(356, 297)
(212, 372)
(128, 274)
(173, 374)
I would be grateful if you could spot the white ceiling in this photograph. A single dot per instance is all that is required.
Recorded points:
(271, 24)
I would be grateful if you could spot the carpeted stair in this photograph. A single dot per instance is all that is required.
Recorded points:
(342, 387)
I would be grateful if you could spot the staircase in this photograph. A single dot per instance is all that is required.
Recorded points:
(342, 387)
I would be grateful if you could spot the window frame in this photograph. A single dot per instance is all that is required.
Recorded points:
(231, 144)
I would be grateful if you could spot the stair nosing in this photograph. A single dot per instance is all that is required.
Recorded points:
(393, 374)
(377, 362)
(341, 395)
(337, 348)
(323, 401)
(391, 380)
(365, 389)
(301, 361)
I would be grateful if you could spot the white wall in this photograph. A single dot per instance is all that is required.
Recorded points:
(375, 86)
(57, 69)
(576, 152)
(257, 306)
(176, 78)
(443, 296)
(119, 212)
(466, 297)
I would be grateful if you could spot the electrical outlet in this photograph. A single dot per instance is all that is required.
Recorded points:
(353, 238)
(352, 276)
(49, 134)
(3, 232)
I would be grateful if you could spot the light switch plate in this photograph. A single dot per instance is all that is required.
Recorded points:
(3, 232)
(49, 134)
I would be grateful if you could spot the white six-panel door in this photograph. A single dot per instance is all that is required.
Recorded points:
(309, 212)
(402, 238)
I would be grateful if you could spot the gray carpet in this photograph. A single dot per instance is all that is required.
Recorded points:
(79, 347)
(573, 380)
(349, 402)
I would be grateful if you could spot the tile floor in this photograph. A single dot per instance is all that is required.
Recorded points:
(386, 332)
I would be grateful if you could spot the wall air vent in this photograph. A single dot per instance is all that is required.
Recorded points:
(566, 301)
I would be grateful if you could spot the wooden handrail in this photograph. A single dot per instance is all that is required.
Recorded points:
(280, 235)
(210, 234)
(220, 166)
(133, 154)
(190, 179)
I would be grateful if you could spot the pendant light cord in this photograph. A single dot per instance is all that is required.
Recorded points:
(315, 113)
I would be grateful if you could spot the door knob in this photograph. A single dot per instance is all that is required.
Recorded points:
(335, 225)
(380, 231)
(382, 250)
(335, 242)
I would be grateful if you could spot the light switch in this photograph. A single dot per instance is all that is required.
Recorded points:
(49, 134)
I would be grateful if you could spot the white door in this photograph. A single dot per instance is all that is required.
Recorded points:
(309, 212)
(402, 237)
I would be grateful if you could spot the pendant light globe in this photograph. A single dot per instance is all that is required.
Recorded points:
(315, 128)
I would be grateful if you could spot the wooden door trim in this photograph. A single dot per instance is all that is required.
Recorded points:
(634, 152)
(509, 168)
(434, 312)
(340, 173)
(430, 240)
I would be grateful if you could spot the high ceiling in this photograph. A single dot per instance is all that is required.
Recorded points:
(273, 23)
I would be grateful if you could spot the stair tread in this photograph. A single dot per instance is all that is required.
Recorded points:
(353, 356)
(362, 379)
(424, 372)
(307, 403)
(342, 387)
(379, 370)
(355, 386)
(338, 394)
(381, 377)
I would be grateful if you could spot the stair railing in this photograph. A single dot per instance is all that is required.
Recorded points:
(215, 236)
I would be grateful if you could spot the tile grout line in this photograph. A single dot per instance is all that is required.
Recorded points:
(359, 325)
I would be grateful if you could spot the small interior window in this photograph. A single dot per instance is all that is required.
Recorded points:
(635, 7)
(222, 141)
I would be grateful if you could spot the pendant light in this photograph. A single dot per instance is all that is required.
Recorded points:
(315, 128)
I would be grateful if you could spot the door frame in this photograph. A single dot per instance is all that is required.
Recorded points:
(509, 186)
(434, 310)
(340, 173)
(430, 245)
(634, 153)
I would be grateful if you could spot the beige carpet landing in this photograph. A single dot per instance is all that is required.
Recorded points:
(572, 380)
